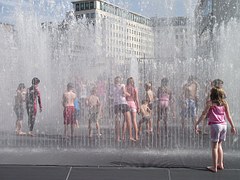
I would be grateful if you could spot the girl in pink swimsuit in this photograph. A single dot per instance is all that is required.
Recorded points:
(164, 97)
(216, 109)
(133, 103)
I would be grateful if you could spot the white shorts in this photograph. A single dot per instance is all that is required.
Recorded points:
(218, 132)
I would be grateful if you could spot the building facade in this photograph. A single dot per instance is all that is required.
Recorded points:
(121, 34)
(173, 38)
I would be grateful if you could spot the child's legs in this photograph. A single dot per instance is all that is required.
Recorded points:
(89, 128)
(117, 126)
(150, 125)
(20, 125)
(127, 117)
(159, 119)
(31, 121)
(215, 154)
(72, 129)
(124, 128)
(65, 130)
(140, 127)
(220, 155)
(98, 127)
(134, 121)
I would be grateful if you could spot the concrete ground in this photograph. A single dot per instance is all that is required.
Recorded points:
(179, 156)
(104, 164)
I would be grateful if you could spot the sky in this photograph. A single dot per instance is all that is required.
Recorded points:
(56, 9)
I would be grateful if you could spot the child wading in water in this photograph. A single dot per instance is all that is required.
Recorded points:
(215, 110)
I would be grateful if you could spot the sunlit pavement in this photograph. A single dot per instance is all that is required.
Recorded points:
(50, 156)
(109, 173)
(104, 164)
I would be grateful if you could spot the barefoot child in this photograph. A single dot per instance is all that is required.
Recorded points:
(150, 97)
(216, 109)
(69, 111)
(18, 107)
(121, 106)
(93, 104)
(146, 116)
(77, 112)
(33, 98)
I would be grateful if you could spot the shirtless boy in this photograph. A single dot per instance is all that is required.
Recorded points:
(93, 104)
(69, 111)
(150, 96)
(146, 116)
(189, 100)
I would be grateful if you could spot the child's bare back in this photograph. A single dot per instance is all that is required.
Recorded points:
(145, 111)
(93, 101)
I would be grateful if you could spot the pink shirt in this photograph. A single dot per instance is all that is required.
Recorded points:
(216, 115)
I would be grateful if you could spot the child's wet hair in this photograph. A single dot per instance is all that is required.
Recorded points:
(35, 81)
(164, 81)
(21, 86)
(70, 86)
(94, 90)
(217, 95)
(147, 85)
(130, 80)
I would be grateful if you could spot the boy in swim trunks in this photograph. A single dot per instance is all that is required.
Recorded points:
(189, 101)
(69, 110)
(146, 116)
(93, 104)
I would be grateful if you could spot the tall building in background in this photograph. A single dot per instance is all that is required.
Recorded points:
(209, 16)
(121, 34)
(173, 38)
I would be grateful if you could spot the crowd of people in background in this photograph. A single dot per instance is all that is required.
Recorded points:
(118, 100)
(81, 100)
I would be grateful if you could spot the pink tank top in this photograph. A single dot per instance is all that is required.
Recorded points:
(216, 115)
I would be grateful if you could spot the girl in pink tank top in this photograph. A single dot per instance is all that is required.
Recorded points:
(133, 103)
(216, 109)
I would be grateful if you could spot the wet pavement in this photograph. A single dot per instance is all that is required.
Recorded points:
(181, 155)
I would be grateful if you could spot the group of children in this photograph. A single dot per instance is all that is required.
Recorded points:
(71, 111)
(126, 103)
(31, 97)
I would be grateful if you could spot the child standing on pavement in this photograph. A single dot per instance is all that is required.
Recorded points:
(93, 104)
(216, 109)
(146, 116)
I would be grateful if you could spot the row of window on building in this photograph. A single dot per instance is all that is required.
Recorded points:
(123, 13)
(113, 10)
(87, 15)
(85, 6)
